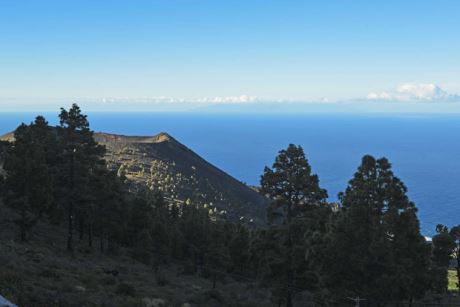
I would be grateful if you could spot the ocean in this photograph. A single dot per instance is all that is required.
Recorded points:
(423, 149)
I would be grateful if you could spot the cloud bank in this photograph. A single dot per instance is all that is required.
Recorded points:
(415, 92)
(407, 97)
(201, 100)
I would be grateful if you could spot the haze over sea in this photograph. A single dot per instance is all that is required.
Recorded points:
(423, 149)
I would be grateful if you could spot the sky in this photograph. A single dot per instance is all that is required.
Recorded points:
(190, 54)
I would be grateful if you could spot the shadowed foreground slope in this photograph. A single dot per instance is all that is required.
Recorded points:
(40, 273)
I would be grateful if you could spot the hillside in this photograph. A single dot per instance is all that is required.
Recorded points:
(161, 162)
(40, 273)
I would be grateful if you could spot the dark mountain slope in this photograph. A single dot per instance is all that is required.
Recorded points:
(162, 163)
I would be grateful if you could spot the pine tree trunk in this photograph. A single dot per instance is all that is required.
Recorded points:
(195, 262)
(81, 227)
(70, 216)
(109, 245)
(90, 235)
(289, 261)
(70, 228)
(101, 242)
(22, 225)
(23, 232)
(289, 298)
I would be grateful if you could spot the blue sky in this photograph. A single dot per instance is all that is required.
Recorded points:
(201, 52)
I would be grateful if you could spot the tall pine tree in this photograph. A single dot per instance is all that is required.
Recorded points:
(294, 192)
(80, 155)
(374, 246)
(28, 180)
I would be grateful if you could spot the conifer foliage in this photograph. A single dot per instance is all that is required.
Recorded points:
(29, 180)
(374, 248)
(80, 156)
(294, 193)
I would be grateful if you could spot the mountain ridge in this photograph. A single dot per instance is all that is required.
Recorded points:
(156, 138)
(160, 162)
(180, 173)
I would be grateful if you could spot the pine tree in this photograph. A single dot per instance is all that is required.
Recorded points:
(375, 249)
(104, 208)
(28, 177)
(217, 254)
(143, 247)
(444, 246)
(238, 246)
(294, 192)
(194, 225)
(410, 253)
(267, 260)
(45, 138)
(79, 154)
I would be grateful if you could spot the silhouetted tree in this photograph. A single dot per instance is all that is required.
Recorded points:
(445, 248)
(105, 210)
(238, 246)
(217, 254)
(293, 191)
(374, 247)
(28, 177)
(80, 154)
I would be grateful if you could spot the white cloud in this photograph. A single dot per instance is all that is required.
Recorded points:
(168, 99)
(379, 96)
(414, 92)
(422, 91)
(229, 99)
